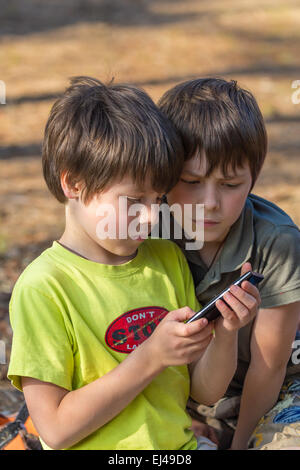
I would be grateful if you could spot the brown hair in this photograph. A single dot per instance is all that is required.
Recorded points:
(217, 118)
(98, 133)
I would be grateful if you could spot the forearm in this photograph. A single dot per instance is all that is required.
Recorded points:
(212, 374)
(260, 393)
(86, 409)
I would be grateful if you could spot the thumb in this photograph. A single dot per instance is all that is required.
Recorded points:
(182, 314)
(245, 268)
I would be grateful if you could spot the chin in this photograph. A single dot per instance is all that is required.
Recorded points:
(124, 250)
(211, 238)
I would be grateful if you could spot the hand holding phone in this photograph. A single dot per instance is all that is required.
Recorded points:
(210, 311)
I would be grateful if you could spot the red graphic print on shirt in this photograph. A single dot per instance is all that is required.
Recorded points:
(130, 329)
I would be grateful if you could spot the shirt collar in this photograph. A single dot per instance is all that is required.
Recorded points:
(238, 245)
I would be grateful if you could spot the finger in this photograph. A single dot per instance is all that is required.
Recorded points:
(246, 267)
(193, 350)
(205, 333)
(199, 339)
(181, 314)
(225, 310)
(238, 307)
(250, 301)
(251, 289)
(193, 328)
(179, 317)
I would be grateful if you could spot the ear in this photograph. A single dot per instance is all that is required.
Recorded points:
(71, 191)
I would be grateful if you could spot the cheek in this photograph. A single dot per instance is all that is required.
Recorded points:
(99, 217)
(122, 223)
(180, 195)
(91, 222)
(86, 216)
(233, 206)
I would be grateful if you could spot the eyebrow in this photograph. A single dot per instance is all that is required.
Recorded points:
(196, 175)
(137, 194)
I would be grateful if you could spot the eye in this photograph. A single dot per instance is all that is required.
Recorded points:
(231, 186)
(133, 200)
(189, 182)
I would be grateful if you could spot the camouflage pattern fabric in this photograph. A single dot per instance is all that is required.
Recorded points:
(277, 430)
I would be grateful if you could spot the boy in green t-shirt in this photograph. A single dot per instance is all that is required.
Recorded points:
(100, 345)
(225, 144)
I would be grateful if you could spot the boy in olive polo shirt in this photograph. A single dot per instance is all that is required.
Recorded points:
(225, 146)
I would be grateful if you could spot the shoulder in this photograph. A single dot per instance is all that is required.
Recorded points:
(276, 254)
(268, 215)
(41, 275)
(38, 297)
(270, 222)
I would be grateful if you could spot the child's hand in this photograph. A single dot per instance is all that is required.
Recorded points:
(203, 429)
(243, 304)
(175, 343)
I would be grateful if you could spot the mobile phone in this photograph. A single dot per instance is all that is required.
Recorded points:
(210, 310)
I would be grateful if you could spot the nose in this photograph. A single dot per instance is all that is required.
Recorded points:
(148, 215)
(211, 199)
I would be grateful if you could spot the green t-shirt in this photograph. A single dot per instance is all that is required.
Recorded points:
(74, 320)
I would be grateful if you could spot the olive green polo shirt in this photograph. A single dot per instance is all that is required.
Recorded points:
(267, 237)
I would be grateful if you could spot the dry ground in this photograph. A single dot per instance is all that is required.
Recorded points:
(154, 44)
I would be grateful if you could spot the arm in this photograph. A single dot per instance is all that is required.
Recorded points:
(272, 337)
(211, 375)
(62, 417)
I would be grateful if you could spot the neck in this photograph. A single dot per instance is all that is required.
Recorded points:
(209, 253)
(96, 254)
(79, 242)
(212, 250)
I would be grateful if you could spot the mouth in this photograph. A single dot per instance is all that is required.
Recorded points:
(210, 223)
(206, 221)
(140, 238)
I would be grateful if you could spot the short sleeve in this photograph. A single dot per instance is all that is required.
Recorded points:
(281, 268)
(41, 345)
